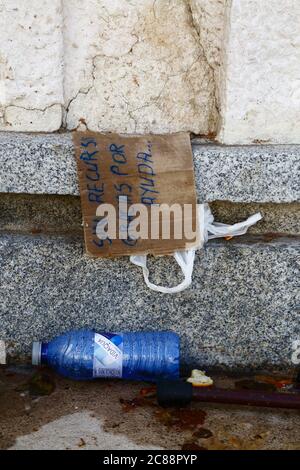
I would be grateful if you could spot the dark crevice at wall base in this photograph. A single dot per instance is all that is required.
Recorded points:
(282, 218)
(27, 213)
(62, 214)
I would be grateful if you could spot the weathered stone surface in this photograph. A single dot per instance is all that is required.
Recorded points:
(141, 66)
(31, 65)
(204, 66)
(261, 69)
(241, 311)
(45, 164)
(210, 20)
(114, 65)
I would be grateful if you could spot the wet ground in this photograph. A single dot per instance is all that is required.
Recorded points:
(39, 410)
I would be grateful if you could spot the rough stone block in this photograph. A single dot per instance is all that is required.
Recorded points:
(142, 66)
(260, 100)
(31, 65)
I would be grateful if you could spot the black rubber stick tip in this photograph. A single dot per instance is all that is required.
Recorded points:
(174, 393)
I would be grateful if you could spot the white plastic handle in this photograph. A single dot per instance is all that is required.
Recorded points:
(185, 259)
(208, 229)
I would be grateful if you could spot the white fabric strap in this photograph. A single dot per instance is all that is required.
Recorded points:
(208, 229)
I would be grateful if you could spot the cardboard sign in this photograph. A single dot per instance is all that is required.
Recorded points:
(124, 170)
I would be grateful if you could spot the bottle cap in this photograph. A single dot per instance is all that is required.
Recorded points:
(36, 353)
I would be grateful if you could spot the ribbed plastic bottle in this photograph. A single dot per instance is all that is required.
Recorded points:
(86, 355)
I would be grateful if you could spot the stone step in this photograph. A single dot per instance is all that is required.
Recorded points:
(242, 310)
(45, 164)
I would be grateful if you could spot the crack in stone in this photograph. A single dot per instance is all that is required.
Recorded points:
(196, 29)
(5, 110)
(153, 100)
(32, 109)
(202, 48)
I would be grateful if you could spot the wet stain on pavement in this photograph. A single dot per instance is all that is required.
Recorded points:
(182, 418)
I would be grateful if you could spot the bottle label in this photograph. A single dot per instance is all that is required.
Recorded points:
(108, 355)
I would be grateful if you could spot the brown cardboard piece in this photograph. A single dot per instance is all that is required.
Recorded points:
(148, 169)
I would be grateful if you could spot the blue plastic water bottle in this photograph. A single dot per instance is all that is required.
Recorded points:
(86, 355)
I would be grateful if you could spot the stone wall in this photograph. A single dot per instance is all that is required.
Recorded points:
(225, 67)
